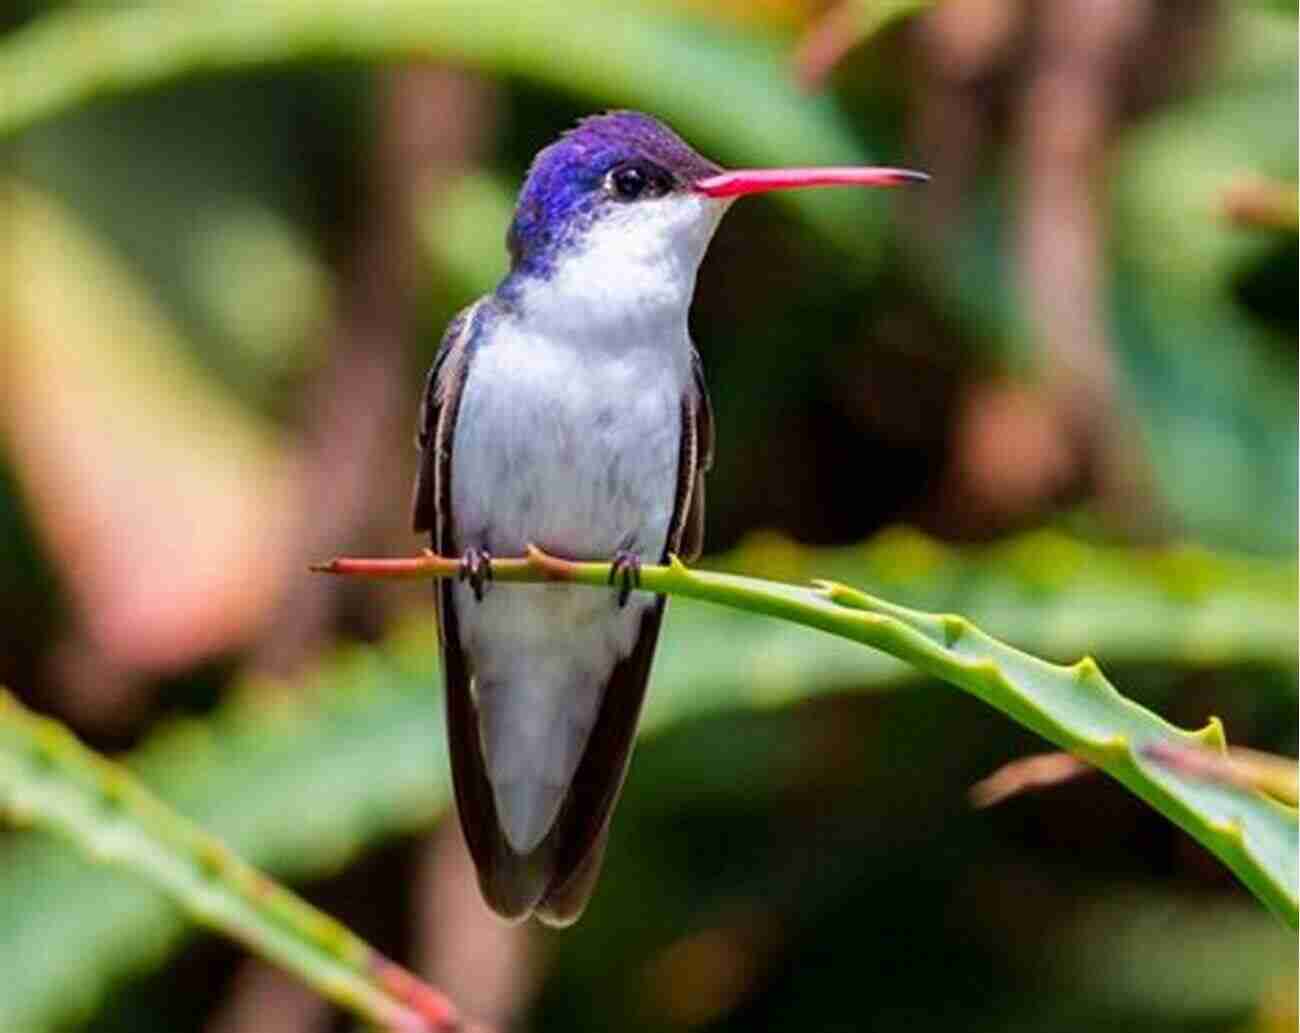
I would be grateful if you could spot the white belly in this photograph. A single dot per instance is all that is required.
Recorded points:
(578, 454)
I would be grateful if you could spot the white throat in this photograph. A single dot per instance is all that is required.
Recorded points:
(631, 275)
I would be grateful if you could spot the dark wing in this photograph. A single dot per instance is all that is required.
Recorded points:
(512, 885)
(687, 538)
(499, 873)
(583, 826)
(433, 432)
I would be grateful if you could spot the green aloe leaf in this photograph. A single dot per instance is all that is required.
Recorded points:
(47, 776)
(356, 753)
(1074, 706)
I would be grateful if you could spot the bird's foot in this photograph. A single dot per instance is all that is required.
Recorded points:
(625, 569)
(476, 568)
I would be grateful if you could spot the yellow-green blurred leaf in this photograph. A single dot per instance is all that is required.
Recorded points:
(163, 502)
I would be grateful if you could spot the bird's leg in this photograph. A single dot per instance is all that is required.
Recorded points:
(476, 568)
(625, 568)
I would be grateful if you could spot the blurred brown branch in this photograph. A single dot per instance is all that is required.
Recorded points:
(1040, 771)
(490, 968)
(359, 412)
(1255, 202)
(845, 26)
(1069, 113)
(1241, 767)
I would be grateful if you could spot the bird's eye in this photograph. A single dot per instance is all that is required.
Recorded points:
(630, 182)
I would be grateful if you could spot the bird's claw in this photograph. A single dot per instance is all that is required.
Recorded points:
(476, 568)
(625, 568)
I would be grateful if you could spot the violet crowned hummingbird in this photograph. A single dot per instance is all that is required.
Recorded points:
(567, 409)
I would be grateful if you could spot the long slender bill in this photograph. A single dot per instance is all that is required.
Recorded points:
(739, 182)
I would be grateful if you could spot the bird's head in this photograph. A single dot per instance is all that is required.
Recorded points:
(620, 208)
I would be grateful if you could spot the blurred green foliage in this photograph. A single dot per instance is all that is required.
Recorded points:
(357, 755)
(799, 853)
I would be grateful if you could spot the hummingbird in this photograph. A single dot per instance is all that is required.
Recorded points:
(567, 410)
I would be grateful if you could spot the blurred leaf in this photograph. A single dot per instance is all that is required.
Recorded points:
(264, 291)
(1216, 389)
(294, 782)
(725, 92)
(1218, 404)
(1140, 958)
(48, 778)
(1184, 958)
(356, 753)
(222, 235)
(1173, 170)
(463, 230)
(847, 25)
(163, 503)
(1213, 387)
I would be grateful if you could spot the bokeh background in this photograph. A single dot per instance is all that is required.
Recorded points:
(1055, 391)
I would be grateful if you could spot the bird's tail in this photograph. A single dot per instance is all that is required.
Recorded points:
(538, 839)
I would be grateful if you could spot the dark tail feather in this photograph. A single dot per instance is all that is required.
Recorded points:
(556, 879)
(563, 904)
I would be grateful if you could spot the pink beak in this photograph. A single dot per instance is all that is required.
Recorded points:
(739, 182)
